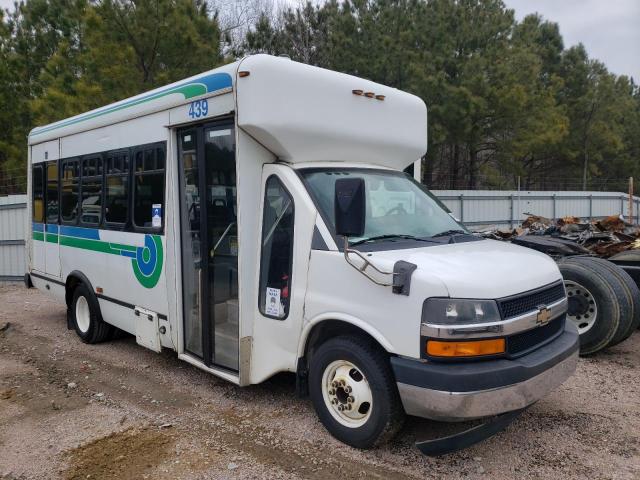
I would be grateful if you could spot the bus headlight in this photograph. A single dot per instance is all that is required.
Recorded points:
(459, 311)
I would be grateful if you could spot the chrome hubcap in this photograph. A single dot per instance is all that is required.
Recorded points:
(83, 317)
(347, 393)
(582, 308)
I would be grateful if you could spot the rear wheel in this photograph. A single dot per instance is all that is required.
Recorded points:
(354, 392)
(86, 317)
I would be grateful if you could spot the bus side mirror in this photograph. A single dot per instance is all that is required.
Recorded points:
(349, 207)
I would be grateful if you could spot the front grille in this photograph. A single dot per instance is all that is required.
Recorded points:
(530, 301)
(524, 342)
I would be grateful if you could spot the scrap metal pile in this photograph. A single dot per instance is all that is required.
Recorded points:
(604, 237)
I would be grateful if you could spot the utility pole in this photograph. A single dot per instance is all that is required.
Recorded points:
(631, 200)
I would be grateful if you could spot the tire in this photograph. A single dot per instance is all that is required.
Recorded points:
(603, 313)
(633, 292)
(86, 317)
(355, 360)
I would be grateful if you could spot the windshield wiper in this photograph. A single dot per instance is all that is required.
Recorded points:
(448, 232)
(389, 236)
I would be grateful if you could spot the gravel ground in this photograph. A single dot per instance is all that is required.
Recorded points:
(117, 411)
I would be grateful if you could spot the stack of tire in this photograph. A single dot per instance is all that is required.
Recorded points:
(603, 301)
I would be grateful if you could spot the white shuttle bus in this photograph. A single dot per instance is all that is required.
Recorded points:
(256, 219)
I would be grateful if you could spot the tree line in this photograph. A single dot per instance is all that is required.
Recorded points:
(507, 99)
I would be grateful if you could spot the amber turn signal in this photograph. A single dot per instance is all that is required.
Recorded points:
(243, 74)
(465, 349)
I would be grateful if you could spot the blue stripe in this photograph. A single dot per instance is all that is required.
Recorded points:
(52, 228)
(88, 233)
(147, 268)
(124, 253)
(38, 227)
(216, 81)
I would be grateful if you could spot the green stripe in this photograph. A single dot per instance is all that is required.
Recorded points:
(86, 244)
(112, 249)
(126, 248)
(151, 280)
(189, 91)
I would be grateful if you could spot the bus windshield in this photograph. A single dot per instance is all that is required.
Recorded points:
(396, 205)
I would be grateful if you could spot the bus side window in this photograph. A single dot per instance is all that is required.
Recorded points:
(91, 191)
(69, 191)
(52, 192)
(276, 260)
(116, 208)
(38, 193)
(148, 188)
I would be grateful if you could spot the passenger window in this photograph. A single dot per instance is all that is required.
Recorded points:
(117, 188)
(52, 192)
(38, 193)
(277, 250)
(91, 191)
(69, 191)
(148, 184)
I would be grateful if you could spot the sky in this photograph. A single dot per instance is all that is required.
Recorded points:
(609, 29)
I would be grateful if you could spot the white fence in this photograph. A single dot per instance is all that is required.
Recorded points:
(13, 227)
(508, 208)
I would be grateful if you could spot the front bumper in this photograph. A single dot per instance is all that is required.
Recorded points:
(465, 391)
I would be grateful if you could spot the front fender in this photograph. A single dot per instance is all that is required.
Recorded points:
(342, 317)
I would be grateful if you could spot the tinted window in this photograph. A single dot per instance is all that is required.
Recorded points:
(277, 250)
(52, 192)
(38, 193)
(117, 188)
(91, 191)
(148, 185)
(69, 191)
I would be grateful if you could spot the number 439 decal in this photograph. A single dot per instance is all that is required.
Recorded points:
(199, 108)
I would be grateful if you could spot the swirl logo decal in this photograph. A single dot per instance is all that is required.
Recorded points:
(147, 264)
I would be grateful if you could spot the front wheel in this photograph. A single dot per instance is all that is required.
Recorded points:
(354, 392)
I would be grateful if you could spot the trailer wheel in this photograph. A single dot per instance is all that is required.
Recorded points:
(86, 316)
(631, 291)
(594, 305)
(354, 392)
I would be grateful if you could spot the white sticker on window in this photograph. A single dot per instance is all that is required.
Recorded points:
(219, 133)
(272, 303)
(156, 215)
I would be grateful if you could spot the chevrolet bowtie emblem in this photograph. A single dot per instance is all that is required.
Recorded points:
(544, 315)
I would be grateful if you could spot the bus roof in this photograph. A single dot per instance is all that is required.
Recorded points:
(216, 81)
(301, 113)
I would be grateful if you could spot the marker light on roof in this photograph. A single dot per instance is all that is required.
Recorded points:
(369, 94)
(379, 97)
(357, 92)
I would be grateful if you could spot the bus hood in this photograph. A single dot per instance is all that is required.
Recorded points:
(477, 269)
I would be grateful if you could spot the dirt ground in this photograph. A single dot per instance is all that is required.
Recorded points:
(117, 411)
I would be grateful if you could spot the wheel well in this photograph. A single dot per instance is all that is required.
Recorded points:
(333, 328)
(70, 286)
(320, 333)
